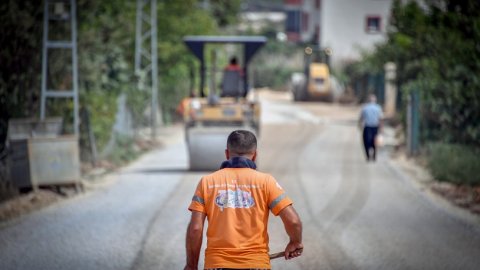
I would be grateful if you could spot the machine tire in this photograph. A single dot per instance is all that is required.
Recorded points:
(300, 93)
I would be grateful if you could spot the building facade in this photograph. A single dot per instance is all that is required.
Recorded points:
(346, 27)
(303, 20)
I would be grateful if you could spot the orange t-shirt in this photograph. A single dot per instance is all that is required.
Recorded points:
(231, 67)
(237, 203)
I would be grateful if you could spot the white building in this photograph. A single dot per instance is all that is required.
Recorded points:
(344, 26)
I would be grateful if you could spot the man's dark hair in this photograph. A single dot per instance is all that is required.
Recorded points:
(242, 142)
(233, 60)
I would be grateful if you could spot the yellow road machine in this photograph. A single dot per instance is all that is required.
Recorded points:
(314, 83)
(209, 119)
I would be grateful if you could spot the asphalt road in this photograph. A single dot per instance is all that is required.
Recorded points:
(356, 215)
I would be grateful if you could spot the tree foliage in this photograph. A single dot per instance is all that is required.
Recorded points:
(177, 19)
(20, 47)
(106, 39)
(225, 12)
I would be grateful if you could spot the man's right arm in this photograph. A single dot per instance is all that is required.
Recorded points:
(293, 226)
(194, 239)
(360, 120)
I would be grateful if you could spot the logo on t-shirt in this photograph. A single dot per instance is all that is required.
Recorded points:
(234, 199)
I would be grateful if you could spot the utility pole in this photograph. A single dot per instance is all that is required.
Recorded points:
(60, 14)
(146, 57)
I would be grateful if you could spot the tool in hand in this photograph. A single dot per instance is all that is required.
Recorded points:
(281, 254)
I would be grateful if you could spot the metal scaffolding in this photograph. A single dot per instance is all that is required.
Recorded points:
(60, 14)
(146, 54)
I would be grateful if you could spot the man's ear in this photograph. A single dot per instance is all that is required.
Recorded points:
(227, 154)
(254, 157)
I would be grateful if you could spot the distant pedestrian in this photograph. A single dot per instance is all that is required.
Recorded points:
(371, 121)
(236, 200)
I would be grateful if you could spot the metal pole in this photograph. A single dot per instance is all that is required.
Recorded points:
(61, 44)
(73, 17)
(213, 89)
(153, 18)
(44, 61)
(192, 79)
(245, 72)
(138, 36)
(409, 124)
(202, 78)
(413, 125)
(415, 122)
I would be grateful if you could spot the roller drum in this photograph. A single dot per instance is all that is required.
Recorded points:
(206, 146)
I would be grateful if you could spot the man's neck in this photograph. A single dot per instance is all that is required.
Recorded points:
(239, 162)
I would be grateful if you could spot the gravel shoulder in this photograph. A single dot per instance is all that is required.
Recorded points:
(461, 202)
(96, 178)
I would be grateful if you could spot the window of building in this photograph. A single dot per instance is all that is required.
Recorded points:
(292, 24)
(304, 22)
(373, 24)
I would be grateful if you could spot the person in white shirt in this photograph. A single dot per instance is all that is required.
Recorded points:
(371, 121)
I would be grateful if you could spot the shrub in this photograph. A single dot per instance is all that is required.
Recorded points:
(124, 150)
(454, 163)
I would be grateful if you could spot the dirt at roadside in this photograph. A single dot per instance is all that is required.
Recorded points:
(27, 203)
(463, 197)
(22, 204)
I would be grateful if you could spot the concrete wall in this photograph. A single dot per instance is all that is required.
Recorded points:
(343, 26)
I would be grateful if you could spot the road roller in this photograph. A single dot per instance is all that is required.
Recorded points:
(210, 118)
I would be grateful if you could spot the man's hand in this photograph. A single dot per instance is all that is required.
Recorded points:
(293, 226)
(293, 250)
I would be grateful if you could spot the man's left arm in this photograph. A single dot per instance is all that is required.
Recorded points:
(380, 120)
(293, 227)
(194, 239)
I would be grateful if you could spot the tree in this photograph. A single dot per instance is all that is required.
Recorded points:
(20, 47)
(106, 34)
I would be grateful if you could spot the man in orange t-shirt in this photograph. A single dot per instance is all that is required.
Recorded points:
(236, 200)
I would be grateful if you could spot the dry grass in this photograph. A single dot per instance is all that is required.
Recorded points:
(27, 203)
